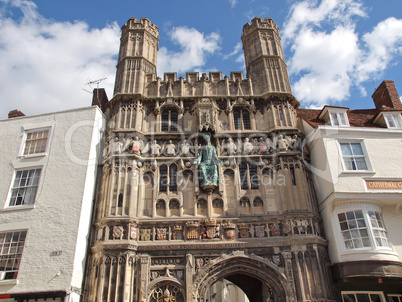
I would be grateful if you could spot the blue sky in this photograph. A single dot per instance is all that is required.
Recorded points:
(336, 50)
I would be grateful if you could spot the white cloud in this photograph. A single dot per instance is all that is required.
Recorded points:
(232, 3)
(310, 13)
(382, 45)
(194, 48)
(46, 63)
(238, 47)
(328, 56)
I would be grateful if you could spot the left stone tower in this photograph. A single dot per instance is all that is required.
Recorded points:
(137, 57)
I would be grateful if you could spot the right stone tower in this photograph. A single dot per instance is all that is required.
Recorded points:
(265, 61)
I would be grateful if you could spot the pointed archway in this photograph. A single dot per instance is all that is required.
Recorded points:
(259, 279)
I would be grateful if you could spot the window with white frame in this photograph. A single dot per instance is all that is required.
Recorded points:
(338, 118)
(393, 120)
(363, 229)
(395, 298)
(24, 187)
(353, 155)
(12, 245)
(363, 297)
(36, 141)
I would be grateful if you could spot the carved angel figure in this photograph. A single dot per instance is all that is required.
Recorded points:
(282, 143)
(186, 148)
(229, 147)
(247, 146)
(136, 145)
(154, 148)
(115, 146)
(169, 149)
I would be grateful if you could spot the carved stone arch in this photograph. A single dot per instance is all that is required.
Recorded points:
(253, 274)
(171, 106)
(229, 171)
(157, 288)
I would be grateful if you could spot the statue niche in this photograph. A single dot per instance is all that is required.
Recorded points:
(208, 162)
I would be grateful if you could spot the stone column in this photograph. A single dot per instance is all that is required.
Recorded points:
(189, 277)
(144, 262)
(291, 290)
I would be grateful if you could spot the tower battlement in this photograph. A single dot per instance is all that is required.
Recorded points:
(143, 23)
(213, 76)
(265, 64)
(259, 22)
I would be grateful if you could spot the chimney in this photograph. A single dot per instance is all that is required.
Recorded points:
(99, 98)
(15, 113)
(386, 95)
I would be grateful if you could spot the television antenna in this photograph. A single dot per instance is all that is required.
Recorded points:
(89, 83)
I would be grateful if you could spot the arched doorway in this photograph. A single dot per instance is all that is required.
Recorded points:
(259, 279)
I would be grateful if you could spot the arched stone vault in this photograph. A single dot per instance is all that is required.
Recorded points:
(239, 264)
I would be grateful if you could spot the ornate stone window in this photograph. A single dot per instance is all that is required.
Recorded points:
(166, 292)
(24, 188)
(168, 178)
(174, 207)
(241, 119)
(248, 176)
(160, 207)
(258, 202)
(169, 120)
(292, 175)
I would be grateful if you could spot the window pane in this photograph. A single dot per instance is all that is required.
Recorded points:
(246, 120)
(163, 178)
(253, 176)
(346, 150)
(165, 121)
(335, 121)
(173, 178)
(344, 226)
(350, 215)
(357, 149)
(363, 298)
(342, 216)
(173, 120)
(359, 214)
(390, 120)
(243, 176)
(343, 118)
(237, 120)
(361, 163)
(349, 298)
(350, 164)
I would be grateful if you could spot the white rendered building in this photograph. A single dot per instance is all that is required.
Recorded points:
(357, 167)
(48, 167)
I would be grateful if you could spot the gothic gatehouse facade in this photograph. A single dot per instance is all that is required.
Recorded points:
(203, 178)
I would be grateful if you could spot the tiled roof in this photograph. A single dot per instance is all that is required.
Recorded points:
(357, 118)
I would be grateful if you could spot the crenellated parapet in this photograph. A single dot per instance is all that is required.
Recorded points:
(213, 85)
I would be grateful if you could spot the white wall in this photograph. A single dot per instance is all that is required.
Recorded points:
(336, 186)
(60, 217)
